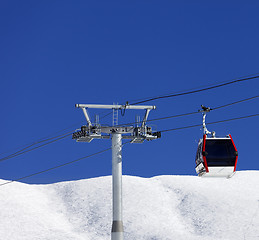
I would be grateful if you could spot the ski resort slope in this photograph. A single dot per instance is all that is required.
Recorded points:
(158, 208)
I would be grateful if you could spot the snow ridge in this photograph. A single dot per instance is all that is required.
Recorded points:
(158, 208)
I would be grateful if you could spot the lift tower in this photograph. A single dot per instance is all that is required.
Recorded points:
(136, 134)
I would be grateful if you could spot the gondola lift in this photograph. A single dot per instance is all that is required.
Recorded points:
(216, 156)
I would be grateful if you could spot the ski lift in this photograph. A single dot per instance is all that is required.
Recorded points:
(216, 156)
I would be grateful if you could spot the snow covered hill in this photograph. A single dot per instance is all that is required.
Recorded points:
(159, 208)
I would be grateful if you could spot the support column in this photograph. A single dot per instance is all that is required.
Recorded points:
(117, 224)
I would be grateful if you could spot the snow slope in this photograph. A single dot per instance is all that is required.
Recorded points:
(159, 208)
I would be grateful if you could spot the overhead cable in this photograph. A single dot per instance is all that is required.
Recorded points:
(221, 121)
(229, 104)
(22, 151)
(59, 166)
(195, 91)
(28, 146)
(191, 113)
(53, 168)
(59, 137)
(48, 140)
(215, 108)
(91, 155)
(44, 139)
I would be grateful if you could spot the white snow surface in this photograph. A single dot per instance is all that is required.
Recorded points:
(158, 208)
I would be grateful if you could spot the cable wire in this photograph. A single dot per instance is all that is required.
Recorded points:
(44, 139)
(59, 166)
(196, 91)
(59, 137)
(23, 151)
(53, 168)
(56, 138)
(229, 104)
(26, 146)
(195, 88)
(249, 77)
(190, 113)
(91, 155)
(221, 121)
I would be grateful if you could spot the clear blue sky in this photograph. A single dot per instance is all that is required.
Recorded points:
(54, 54)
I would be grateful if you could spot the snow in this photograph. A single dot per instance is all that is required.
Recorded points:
(158, 208)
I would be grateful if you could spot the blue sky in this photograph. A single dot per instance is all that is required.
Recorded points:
(55, 54)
